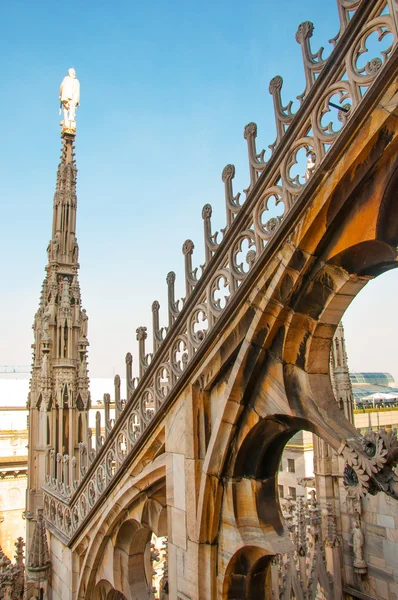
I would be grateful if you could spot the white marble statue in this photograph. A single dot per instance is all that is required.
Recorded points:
(69, 95)
(46, 325)
(83, 323)
(357, 546)
(65, 295)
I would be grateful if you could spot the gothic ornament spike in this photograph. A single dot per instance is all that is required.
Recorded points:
(345, 9)
(98, 436)
(158, 333)
(118, 403)
(283, 114)
(313, 62)
(232, 205)
(172, 304)
(145, 359)
(210, 239)
(190, 275)
(108, 425)
(257, 163)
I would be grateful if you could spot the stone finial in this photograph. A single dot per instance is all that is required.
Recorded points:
(190, 274)
(157, 331)
(171, 277)
(232, 205)
(118, 403)
(19, 546)
(331, 529)
(228, 173)
(250, 130)
(172, 304)
(188, 247)
(207, 211)
(210, 239)
(305, 30)
(144, 358)
(141, 333)
(275, 85)
(98, 436)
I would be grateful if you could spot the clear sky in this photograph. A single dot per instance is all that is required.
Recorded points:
(167, 88)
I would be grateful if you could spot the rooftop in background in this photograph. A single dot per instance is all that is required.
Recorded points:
(384, 379)
(380, 385)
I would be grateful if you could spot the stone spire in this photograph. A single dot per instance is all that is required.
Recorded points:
(59, 398)
(340, 374)
(38, 558)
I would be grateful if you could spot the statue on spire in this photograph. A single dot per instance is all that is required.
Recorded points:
(69, 96)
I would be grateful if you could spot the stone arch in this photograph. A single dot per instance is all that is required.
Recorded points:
(387, 222)
(154, 516)
(105, 591)
(132, 571)
(256, 468)
(114, 513)
(131, 566)
(247, 576)
(319, 307)
(282, 367)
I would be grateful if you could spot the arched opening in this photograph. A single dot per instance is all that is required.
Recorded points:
(131, 566)
(105, 591)
(140, 565)
(257, 465)
(296, 477)
(248, 575)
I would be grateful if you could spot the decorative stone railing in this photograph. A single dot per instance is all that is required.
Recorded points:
(335, 88)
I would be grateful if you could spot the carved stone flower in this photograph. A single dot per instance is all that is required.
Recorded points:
(373, 66)
(251, 257)
(272, 224)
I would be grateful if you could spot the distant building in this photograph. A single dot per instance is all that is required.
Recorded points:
(373, 388)
(296, 469)
(13, 460)
(374, 408)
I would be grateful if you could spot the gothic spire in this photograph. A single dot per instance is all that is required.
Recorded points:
(63, 248)
(59, 398)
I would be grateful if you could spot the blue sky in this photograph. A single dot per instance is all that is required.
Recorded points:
(167, 88)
